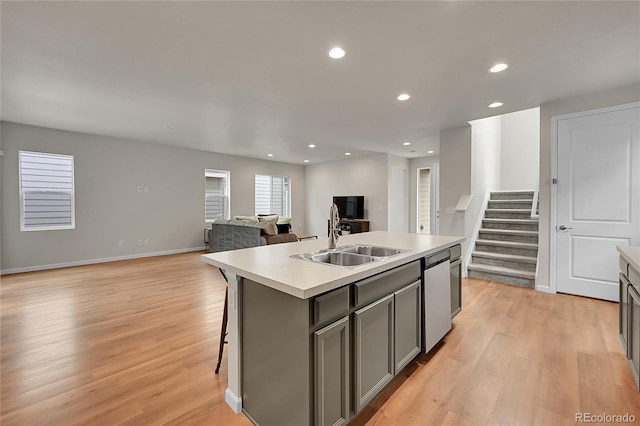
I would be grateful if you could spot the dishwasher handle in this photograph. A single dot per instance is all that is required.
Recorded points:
(435, 263)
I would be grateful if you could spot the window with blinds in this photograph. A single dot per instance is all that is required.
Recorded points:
(216, 195)
(273, 195)
(46, 191)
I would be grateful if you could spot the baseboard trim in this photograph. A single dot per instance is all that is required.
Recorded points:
(233, 401)
(544, 288)
(94, 261)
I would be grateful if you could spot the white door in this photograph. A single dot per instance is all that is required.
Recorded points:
(424, 201)
(598, 198)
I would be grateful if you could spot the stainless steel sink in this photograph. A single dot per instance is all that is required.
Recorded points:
(375, 251)
(350, 256)
(342, 259)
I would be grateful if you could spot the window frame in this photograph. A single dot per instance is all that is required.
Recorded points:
(286, 194)
(227, 212)
(22, 192)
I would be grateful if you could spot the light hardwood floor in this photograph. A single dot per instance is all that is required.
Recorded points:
(135, 342)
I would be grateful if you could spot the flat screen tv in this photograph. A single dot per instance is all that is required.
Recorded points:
(350, 207)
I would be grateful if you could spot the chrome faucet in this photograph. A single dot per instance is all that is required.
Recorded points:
(334, 226)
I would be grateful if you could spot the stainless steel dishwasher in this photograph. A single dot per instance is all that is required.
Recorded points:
(437, 298)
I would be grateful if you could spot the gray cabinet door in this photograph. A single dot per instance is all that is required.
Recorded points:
(633, 342)
(331, 366)
(455, 279)
(373, 333)
(408, 330)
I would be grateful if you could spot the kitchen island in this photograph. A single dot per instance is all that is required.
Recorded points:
(313, 343)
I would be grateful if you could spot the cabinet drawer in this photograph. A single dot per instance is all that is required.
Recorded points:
(385, 283)
(624, 266)
(634, 277)
(331, 305)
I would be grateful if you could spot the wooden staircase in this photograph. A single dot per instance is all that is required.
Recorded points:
(507, 246)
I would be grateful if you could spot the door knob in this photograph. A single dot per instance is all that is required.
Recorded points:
(562, 227)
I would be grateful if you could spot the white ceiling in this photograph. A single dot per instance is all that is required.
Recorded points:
(252, 78)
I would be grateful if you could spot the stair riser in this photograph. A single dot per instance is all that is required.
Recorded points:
(513, 264)
(518, 251)
(514, 226)
(531, 239)
(526, 195)
(509, 205)
(523, 282)
(507, 215)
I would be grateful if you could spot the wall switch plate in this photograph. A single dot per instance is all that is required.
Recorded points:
(146, 189)
(121, 243)
(146, 242)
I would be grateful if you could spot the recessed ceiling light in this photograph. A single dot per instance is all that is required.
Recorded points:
(403, 97)
(406, 143)
(347, 153)
(269, 155)
(498, 67)
(306, 161)
(337, 53)
(430, 152)
(311, 145)
(495, 105)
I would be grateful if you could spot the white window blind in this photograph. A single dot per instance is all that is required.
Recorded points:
(216, 195)
(46, 191)
(272, 195)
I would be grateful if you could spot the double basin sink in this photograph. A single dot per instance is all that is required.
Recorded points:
(350, 256)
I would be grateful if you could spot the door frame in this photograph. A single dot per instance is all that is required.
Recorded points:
(431, 209)
(435, 196)
(553, 198)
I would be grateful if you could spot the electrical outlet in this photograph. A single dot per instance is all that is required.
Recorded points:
(139, 242)
(121, 243)
(146, 189)
(146, 242)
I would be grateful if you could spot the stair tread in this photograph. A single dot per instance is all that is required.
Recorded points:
(508, 231)
(504, 256)
(499, 220)
(525, 191)
(514, 200)
(502, 270)
(508, 210)
(507, 243)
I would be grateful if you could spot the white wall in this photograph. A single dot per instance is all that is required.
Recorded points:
(414, 165)
(520, 146)
(548, 110)
(366, 176)
(109, 207)
(455, 178)
(398, 205)
(1, 211)
(485, 167)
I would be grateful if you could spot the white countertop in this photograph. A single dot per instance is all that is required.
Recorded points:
(271, 265)
(632, 255)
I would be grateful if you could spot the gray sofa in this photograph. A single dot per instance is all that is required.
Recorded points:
(227, 235)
